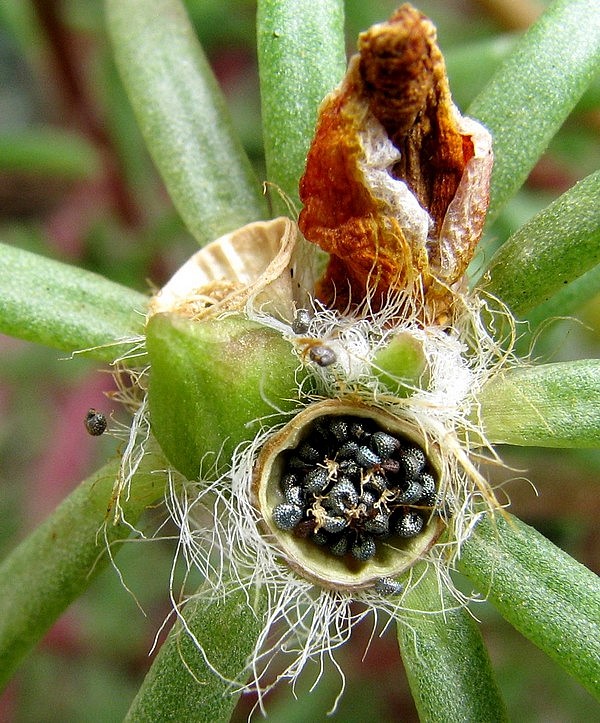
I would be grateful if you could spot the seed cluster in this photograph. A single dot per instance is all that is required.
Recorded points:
(350, 484)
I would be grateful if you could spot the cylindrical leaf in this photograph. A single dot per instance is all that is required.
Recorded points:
(64, 307)
(535, 89)
(183, 117)
(557, 246)
(180, 685)
(212, 384)
(57, 562)
(446, 662)
(550, 405)
(401, 365)
(549, 597)
(301, 58)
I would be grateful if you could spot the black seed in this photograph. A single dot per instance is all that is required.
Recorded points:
(375, 482)
(384, 444)
(321, 428)
(339, 428)
(365, 457)
(286, 516)
(322, 355)
(95, 423)
(364, 548)
(295, 462)
(343, 496)
(295, 496)
(358, 430)
(301, 321)
(340, 547)
(388, 586)
(308, 453)
(348, 450)
(409, 525)
(334, 524)
(378, 525)
(411, 494)
(316, 480)
(350, 468)
(410, 464)
(430, 496)
(320, 537)
(288, 481)
(367, 499)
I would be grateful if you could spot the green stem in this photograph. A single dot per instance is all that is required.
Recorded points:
(446, 662)
(301, 58)
(545, 594)
(42, 576)
(183, 117)
(66, 308)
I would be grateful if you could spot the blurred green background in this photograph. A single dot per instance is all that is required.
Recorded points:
(76, 184)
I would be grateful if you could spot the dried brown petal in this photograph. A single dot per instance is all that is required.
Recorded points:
(397, 182)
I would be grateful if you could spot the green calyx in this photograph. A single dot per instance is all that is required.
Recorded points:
(211, 385)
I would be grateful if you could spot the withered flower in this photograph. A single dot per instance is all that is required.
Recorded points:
(397, 182)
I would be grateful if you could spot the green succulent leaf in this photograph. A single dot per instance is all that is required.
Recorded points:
(183, 117)
(57, 562)
(180, 685)
(535, 89)
(550, 405)
(211, 385)
(556, 247)
(548, 596)
(445, 658)
(301, 58)
(67, 308)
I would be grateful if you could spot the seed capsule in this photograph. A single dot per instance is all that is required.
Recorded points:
(286, 516)
(322, 355)
(409, 525)
(95, 423)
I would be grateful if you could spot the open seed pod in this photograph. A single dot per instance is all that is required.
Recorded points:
(349, 494)
(263, 262)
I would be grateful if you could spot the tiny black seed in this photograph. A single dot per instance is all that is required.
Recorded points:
(350, 468)
(378, 525)
(301, 321)
(392, 466)
(316, 480)
(286, 516)
(364, 549)
(409, 525)
(287, 481)
(308, 453)
(375, 482)
(357, 430)
(320, 537)
(411, 494)
(365, 457)
(367, 499)
(410, 464)
(339, 428)
(334, 523)
(295, 496)
(295, 462)
(95, 423)
(340, 547)
(427, 483)
(348, 450)
(384, 444)
(322, 355)
(388, 586)
(343, 496)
